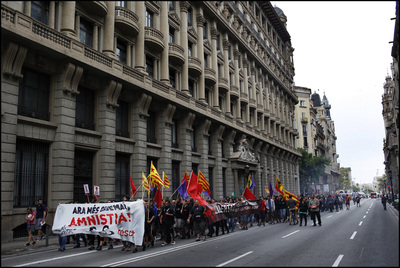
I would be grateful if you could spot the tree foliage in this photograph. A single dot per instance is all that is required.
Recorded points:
(311, 168)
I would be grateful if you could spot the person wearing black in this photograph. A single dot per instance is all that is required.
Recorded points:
(41, 212)
(179, 217)
(167, 222)
(303, 210)
(185, 215)
(148, 236)
(384, 200)
(199, 224)
(291, 204)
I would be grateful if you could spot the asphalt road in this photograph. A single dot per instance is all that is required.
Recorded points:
(361, 236)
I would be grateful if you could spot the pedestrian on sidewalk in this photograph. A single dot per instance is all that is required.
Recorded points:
(384, 199)
(41, 213)
(30, 222)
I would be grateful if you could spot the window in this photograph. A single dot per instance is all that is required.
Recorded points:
(34, 94)
(172, 80)
(171, 35)
(121, 50)
(151, 127)
(189, 17)
(149, 19)
(171, 5)
(205, 60)
(193, 139)
(40, 11)
(30, 173)
(218, 41)
(174, 134)
(190, 44)
(122, 177)
(302, 103)
(211, 180)
(175, 177)
(209, 145)
(122, 119)
(191, 87)
(86, 32)
(229, 52)
(83, 171)
(85, 109)
(205, 30)
(150, 65)
(121, 4)
(305, 142)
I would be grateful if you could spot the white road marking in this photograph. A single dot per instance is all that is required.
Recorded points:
(290, 234)
(238, 257)
(354, 234)
(365, 216)
(53, 259)
(339, 258)
(360, 223)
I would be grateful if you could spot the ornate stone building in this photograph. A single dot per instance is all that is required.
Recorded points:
(92, 92)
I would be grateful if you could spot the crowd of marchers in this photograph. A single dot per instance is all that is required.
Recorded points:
(181, 218)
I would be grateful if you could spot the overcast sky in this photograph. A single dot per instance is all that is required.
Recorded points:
(342, 49)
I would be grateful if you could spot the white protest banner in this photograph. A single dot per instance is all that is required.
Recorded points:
(120, 220)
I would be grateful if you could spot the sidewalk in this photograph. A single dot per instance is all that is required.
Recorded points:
(17, 246)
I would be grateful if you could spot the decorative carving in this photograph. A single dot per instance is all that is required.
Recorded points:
(200, 20)
(207, 124)
(113, 91)
(169, 113)
(245, 153)
(144, 105)
(189, 121)
(72, 76)
(220, 132)
(13, 60)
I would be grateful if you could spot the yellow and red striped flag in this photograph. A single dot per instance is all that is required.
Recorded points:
(145, 183)
(166, 180)
(155, 177)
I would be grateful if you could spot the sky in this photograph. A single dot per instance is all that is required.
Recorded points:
(342, 49)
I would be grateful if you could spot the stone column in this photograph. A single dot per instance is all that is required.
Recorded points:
(109, 23)
(164, 131)
(52, 14)
(246, 87)
(214, 62)
(200, 54)
(225, 45)
(129, 55)
(237, 82)
(184, 38)
(95, 44)
(165, 30)
(68, 18)
(139, 44)
(107, 124)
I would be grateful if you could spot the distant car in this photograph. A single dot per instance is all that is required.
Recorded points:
(373, 195)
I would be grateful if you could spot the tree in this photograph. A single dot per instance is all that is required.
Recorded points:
(310, 168)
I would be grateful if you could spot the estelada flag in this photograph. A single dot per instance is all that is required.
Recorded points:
(133, 187)
(248, 194)
(279, 186)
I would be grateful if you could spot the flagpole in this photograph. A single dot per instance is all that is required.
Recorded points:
(162, 190)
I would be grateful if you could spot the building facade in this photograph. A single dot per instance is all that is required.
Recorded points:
(94, 91)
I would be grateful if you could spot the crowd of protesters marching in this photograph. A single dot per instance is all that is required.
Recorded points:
(185, 219)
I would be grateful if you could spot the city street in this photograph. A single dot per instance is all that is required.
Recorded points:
(361, 236)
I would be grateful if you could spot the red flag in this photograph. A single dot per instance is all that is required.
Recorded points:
(158, 198)
(133, 188)
(248, 194)
(193, 190)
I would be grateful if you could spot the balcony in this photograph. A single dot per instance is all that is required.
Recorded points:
(194, 66)
(234, 92)
(209, 76)
(175, 54)
(304, 120)
(153, 39)
(223, 85)
(98, 8)
(126, 21)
